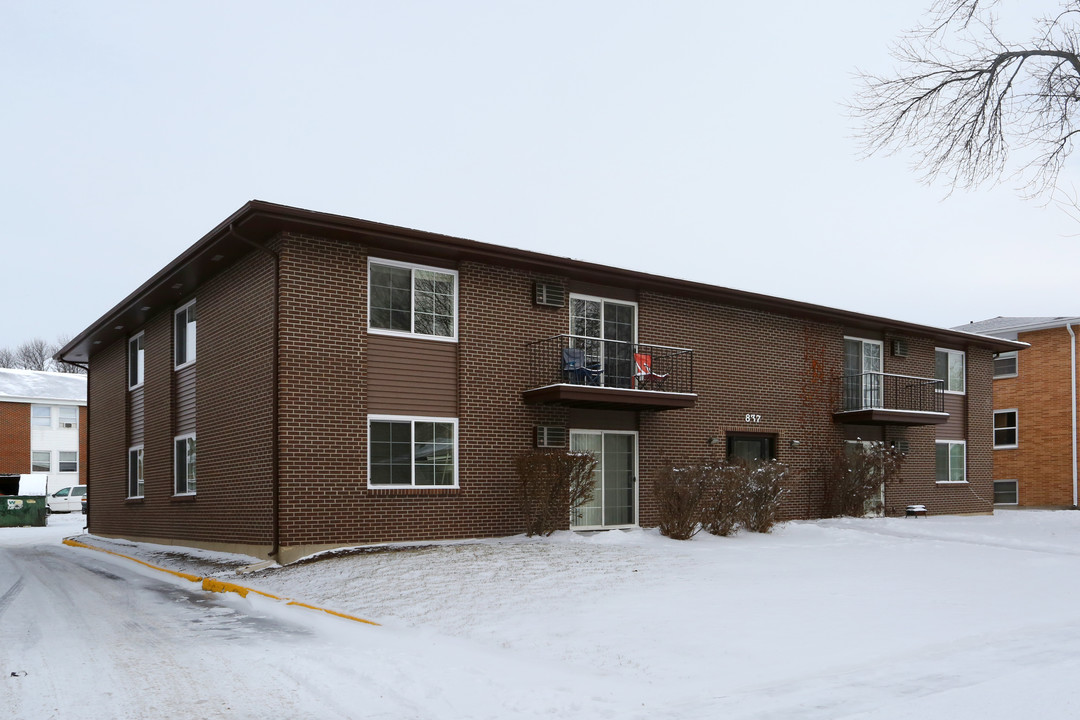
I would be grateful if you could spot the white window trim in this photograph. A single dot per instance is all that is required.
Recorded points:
(51, 424)
(1015, 427)
(962, 354)
(60, 417)
(412, 300)
(1012, 353)
(132, 449)
(412, 420)
(142, 378)
(600, 299)
(182, 309)
(47, 452)
(58, 461)
(951, 442)
(177, 438)
(637, 475)
(1017, 482)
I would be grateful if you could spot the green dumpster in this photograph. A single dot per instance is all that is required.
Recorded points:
(22, 510)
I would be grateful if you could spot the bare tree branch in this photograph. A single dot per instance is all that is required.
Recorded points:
(964, 99)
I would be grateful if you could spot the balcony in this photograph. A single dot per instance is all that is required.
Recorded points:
(580, 371)
(883, 399)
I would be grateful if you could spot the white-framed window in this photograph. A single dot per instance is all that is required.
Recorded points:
(135, 472)
(184, 464)
(1005, 364)
(951, 461)
(949, 367)
(1005, 429)
(405, 451)
(184, 335)
(68, 416)
(136, 362)
(408, 299)
(68, 461)
(41, 461)
(41, 415)
(1006, 492)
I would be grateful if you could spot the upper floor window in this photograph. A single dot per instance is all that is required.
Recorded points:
(184, 332)
(69, 416)
(1005, 364)
(412, 299)
(41, 415)
(135, 361)
(949, 367)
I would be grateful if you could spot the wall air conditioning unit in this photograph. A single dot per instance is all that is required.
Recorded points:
(901, 446)
(899, 348)
(67, 425)
(550, 294)
(550, 436)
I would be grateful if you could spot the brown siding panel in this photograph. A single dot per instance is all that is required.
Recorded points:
(185, 400)
(956, 426)
(408, 376)
(136, 416)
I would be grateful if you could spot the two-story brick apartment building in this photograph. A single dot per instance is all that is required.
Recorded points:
(42, 427)
(1035, 434)
(362, 383)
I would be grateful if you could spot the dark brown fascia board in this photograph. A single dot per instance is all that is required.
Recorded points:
(259, 221)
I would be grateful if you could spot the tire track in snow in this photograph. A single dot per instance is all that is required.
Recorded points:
(9, 596)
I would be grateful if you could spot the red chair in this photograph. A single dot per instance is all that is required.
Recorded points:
(644, 374)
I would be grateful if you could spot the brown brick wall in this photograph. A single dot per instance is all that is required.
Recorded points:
(15, 438)
(1042, 395)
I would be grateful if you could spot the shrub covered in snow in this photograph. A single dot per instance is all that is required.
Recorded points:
(760, 504)
(553, 482)
(680, 494)
(855, 475)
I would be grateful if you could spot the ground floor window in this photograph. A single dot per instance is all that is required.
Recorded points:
(412, 451)
(135, 472)
(614, 499)
(751, 447)
(1006, 492)
(41, 461)
(68, 461)
(951, 461)
(184, 459)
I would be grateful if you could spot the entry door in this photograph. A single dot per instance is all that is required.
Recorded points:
(614, 326)
(614, 498)
(862, 374)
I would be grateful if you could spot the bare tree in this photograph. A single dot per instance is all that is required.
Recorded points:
(7, 358)
(59, 365)
(964, 97)
(34, 355)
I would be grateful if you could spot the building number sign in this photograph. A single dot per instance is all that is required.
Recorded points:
(752, 418)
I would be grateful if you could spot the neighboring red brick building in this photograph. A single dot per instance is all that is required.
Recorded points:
(42, 427)
(1035, 461)
(362, 383)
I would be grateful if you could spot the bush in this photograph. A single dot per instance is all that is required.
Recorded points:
(723, 502)
(760, 503)
(552, 482)
(680, 492)
(854, 476)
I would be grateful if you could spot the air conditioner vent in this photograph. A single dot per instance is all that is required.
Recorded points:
(550, 294)
(550, 436)
(899, 348)
(901, 446)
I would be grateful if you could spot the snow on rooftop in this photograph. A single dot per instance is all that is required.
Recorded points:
(23, 385)
(1000, 324)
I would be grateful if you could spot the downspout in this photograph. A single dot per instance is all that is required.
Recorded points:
(1072, 375)
(275, 479)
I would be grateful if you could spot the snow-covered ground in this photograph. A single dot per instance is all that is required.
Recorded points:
(889, 618)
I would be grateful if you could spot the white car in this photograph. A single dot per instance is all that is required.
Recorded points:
(66, 499)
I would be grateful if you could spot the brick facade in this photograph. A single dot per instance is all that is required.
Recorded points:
(748, 360)
(14, 438)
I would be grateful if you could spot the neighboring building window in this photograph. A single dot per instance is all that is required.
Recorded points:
(949, 366)
(41, 415)
(135, 472)
(69, 416)
(184, 452)
(412, 299)
(184, 334)
(412, 452)
(135, 361)
(41, 461)
(1006, 492)
(1005, 435)
(69, 461)
(951, 461)
(1005, 365)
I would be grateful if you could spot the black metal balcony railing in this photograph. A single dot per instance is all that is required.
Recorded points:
(587, 361)
(882, 391)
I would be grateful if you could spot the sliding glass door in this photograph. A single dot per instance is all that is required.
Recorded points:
(614, 498)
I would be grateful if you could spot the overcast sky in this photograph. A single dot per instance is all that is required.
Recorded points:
(702, 140)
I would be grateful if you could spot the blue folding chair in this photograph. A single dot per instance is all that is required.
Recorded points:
(576, 371)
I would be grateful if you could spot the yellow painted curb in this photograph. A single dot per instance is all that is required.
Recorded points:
(220, 586)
